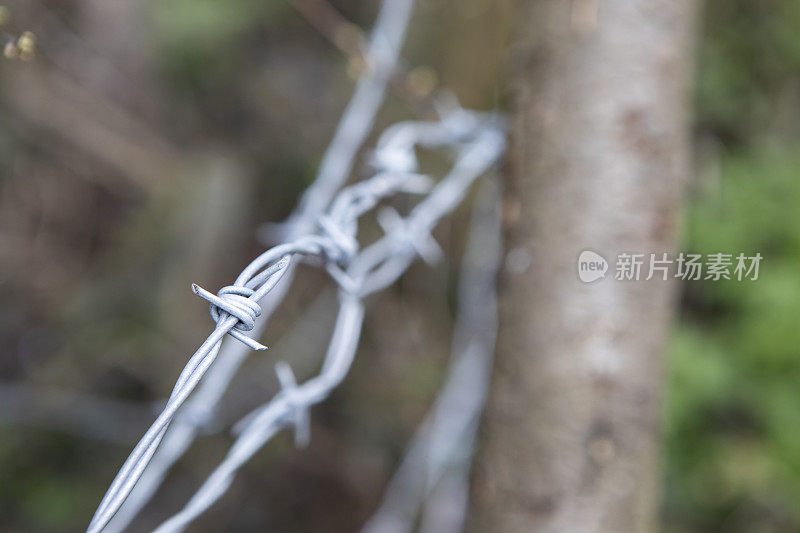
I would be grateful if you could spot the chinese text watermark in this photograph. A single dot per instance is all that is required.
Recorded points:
(691, 267)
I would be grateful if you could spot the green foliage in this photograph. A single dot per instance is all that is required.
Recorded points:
(733, 405)
(748, 67)
(200, 39)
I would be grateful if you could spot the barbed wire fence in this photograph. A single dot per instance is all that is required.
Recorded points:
(385, 42)
(478, 140)
(327, 239)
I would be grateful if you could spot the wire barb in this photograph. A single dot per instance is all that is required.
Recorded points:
(233, 301)
(421, 241)
(299, 415)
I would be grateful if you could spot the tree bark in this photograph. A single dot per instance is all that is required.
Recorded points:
(598, 161)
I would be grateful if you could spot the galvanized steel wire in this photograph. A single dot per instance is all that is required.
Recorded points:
(476, 139)
(431, 484)
(327, 238)
(382, 54)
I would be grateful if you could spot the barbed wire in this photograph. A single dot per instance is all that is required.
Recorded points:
(357, 120)
(477, 139)
(329, 241)
(255, 281)
(434, 472)
(382, 58)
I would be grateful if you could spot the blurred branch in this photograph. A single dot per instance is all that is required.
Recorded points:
(65, 47)
(51, 102)
(342, 33)
(413, 85)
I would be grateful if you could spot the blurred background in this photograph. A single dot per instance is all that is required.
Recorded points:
(146, 142)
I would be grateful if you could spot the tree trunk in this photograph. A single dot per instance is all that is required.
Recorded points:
(599, 158)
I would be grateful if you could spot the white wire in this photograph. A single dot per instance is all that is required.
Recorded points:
(434, 472)
(382, 55)
(383, 52)
(478, 142)
(375, 267)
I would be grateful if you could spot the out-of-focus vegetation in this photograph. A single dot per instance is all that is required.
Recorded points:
(733, 410)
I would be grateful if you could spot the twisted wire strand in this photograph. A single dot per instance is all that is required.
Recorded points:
(252, 278)
(333, 248)
(383, 54)
(479, 141)
(433, 474)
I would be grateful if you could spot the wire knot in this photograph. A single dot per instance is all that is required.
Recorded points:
(342, 247)
(233, 301)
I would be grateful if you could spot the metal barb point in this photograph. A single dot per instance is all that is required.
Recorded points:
(301, 419)
(230, 301)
